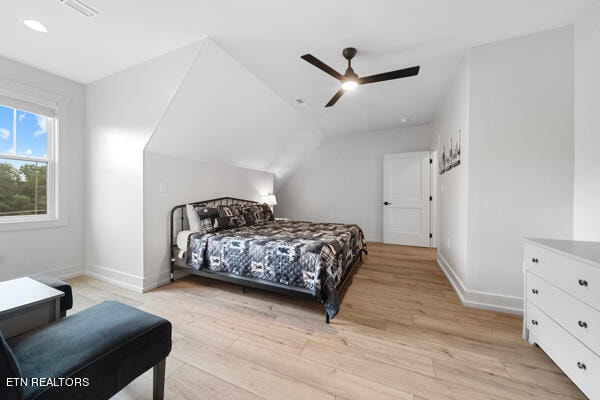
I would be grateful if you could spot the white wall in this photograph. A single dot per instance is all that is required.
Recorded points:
(186, 181)
(452, 190)
(57, 250)
(222, 113)
(513, 102)
(520, 154)
(342, 180)
(587, 126)
(123, 111)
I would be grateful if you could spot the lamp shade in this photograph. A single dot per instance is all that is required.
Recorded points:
(270, 199)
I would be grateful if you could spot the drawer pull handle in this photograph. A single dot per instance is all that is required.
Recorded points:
(534, 291)
(581, 365)
(582, 324)
(534, 322)
(582, 282)
(535, 260)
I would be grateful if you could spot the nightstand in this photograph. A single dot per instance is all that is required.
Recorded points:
(26, 304)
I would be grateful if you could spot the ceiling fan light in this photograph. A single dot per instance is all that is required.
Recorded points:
(349, 85)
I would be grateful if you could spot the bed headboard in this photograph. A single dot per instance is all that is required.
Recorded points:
(179, 220)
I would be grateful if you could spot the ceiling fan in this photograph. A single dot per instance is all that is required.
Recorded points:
(350, 79)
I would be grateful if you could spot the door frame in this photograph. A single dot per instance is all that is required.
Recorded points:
(434, 212)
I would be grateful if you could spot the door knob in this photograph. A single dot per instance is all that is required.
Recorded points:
(387, 203)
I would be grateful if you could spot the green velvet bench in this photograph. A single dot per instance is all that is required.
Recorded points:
(92, 354)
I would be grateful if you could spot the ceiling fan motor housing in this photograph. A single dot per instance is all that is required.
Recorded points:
(349, 53)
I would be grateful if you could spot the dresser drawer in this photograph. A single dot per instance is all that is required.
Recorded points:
(576, 360)
(574, 277)
(581, 320)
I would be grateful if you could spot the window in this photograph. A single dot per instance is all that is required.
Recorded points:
(27, 160)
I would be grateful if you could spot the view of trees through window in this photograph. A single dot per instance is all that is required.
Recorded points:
(23, 162)
(22, 188)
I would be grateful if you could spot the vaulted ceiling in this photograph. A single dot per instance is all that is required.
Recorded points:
(268, 36)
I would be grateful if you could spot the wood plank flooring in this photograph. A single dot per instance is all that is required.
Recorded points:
(401, 334)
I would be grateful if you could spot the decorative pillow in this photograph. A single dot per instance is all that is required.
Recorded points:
(207, 212)
(268, 212)
(199, 219)
(236, 216)
(206, 226)
(235, 221)
(228, 211)
(252, 214)
(256, 214)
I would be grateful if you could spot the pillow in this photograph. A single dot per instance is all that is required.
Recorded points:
(235, 214)
(207, 213)
(252, 214)
(268, 212)
(199, 222)
(229, 211)
(235, 221)
(256, 214)
(193, 218)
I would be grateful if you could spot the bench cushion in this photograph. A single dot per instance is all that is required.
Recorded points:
(110, 344)
(8, 369)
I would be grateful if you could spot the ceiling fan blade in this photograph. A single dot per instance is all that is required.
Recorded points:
(335, 98)
(386, 76)
(322, 66)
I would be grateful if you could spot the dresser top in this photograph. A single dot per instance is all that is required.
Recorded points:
(585, 251)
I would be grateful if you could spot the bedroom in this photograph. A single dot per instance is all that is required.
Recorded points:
(147, 90)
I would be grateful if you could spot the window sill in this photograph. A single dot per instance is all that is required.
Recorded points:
(29, 224)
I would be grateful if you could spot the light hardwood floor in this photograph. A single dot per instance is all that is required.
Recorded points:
(401, 334)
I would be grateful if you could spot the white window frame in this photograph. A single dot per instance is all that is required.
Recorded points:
(57, 172)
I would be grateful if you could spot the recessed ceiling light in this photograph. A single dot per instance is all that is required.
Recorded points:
(405, 120)
(35, 25)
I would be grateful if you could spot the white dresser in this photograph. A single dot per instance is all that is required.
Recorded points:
(562, 306)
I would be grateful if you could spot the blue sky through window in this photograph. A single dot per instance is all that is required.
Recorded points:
(31, 133)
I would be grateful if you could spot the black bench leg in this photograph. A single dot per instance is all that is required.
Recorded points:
(158, 383)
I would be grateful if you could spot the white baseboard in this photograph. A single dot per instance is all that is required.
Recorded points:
(118, 278)
(374, 237)
(63, 272)
(477, 299)
(154, 281)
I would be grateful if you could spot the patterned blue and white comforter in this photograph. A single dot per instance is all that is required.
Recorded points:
(308, 255)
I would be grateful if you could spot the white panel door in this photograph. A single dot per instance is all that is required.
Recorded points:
(407, 205)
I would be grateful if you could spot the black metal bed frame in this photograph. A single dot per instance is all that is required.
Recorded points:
(244, 281)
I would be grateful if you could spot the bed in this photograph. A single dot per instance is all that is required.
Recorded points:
(239, 241)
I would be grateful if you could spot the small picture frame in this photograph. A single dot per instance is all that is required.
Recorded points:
(448, 157)
(455, 161)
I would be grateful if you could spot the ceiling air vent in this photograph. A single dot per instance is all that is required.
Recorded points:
(302, 102)
(80, 8)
